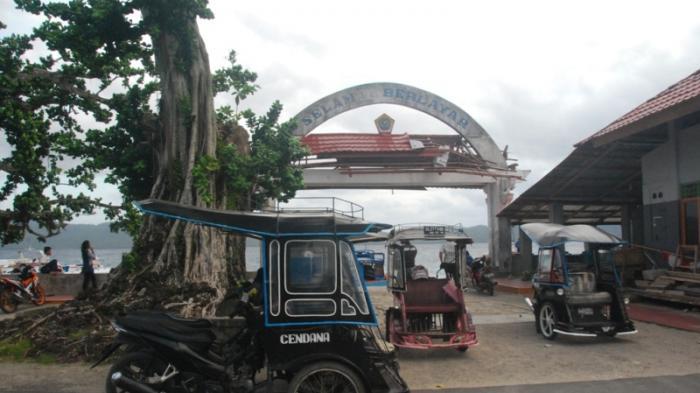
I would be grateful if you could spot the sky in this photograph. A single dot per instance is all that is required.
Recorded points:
(538, 76)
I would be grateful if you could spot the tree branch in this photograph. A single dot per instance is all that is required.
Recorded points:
(5, 166)
(110, 207)
(58, 79)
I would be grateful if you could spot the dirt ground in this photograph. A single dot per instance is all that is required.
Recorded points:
(510, 352)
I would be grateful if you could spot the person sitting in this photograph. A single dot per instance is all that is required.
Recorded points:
(46, 255)
(51, 267)
(409, 254)
(419, 273)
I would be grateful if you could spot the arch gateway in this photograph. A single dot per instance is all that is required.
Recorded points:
(497, 182)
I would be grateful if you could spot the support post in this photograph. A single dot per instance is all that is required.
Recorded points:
(497, 197)
(625, 223)
(637, 225)
(525, 250)
(556, 213)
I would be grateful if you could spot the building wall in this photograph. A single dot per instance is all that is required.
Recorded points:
(659, 175)
(663, 171)
(662, 225)
(689, 155)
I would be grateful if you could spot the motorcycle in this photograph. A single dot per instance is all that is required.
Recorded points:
(287, 328)
(172, 354)
(482, 277)
(25, 290)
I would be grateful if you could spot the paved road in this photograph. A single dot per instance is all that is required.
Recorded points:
(668, 384)
(675, 384)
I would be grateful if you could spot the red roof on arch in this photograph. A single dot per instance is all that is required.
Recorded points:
(681, 91)
(356, 143)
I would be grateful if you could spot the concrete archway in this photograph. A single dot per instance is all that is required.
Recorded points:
(498, 192)
(412, 97)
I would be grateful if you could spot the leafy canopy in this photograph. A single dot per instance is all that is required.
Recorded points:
(78, 106)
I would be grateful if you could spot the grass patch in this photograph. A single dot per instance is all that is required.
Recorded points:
(14, 350)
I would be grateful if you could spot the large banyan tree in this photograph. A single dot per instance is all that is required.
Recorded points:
(121, 91)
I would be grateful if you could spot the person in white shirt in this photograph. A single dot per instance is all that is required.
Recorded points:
(46, 255)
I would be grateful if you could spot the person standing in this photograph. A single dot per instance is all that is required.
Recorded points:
(88, 265)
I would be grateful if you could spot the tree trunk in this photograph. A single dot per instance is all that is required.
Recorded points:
(174, 254)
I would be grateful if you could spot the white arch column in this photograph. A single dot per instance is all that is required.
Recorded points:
(497, 197)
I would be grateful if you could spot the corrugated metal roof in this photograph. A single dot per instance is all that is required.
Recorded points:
(675, 94)
(365, 143)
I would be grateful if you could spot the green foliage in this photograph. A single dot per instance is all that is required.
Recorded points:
(269, 170)
(129, 262)
(87, 110)
(273, 149)
(236, 80)
(92, 45)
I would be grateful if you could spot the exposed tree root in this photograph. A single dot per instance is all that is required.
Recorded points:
(80, 329)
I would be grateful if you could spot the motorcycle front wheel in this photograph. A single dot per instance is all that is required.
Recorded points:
(7, 301)
(142, 367)
(324, 377)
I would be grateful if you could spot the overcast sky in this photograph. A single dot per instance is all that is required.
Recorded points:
(537, 76)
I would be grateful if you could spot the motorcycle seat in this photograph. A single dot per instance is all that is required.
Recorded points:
(197, 332)
(583, 290)
(589, 298)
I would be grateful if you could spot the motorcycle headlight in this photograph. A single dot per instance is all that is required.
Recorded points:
(117, 328)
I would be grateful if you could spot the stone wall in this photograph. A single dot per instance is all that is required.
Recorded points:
(64, 284)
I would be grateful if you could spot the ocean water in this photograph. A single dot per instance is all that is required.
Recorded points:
(69, 256)
(427, 254)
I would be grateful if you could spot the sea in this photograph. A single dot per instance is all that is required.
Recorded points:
(427, 254)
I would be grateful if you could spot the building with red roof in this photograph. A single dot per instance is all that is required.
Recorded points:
(641, 171)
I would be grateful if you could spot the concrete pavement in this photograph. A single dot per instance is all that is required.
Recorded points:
(673, 384)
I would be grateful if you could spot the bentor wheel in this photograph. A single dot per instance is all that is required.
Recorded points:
(7, 302)
(547, 320)
(139, 366)
(326, 377)
(39, 295)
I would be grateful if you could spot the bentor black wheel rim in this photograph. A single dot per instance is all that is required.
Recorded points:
(327, 381)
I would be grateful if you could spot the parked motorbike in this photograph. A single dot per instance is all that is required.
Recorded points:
(172, 354)
(482, 277)
(24, 290)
